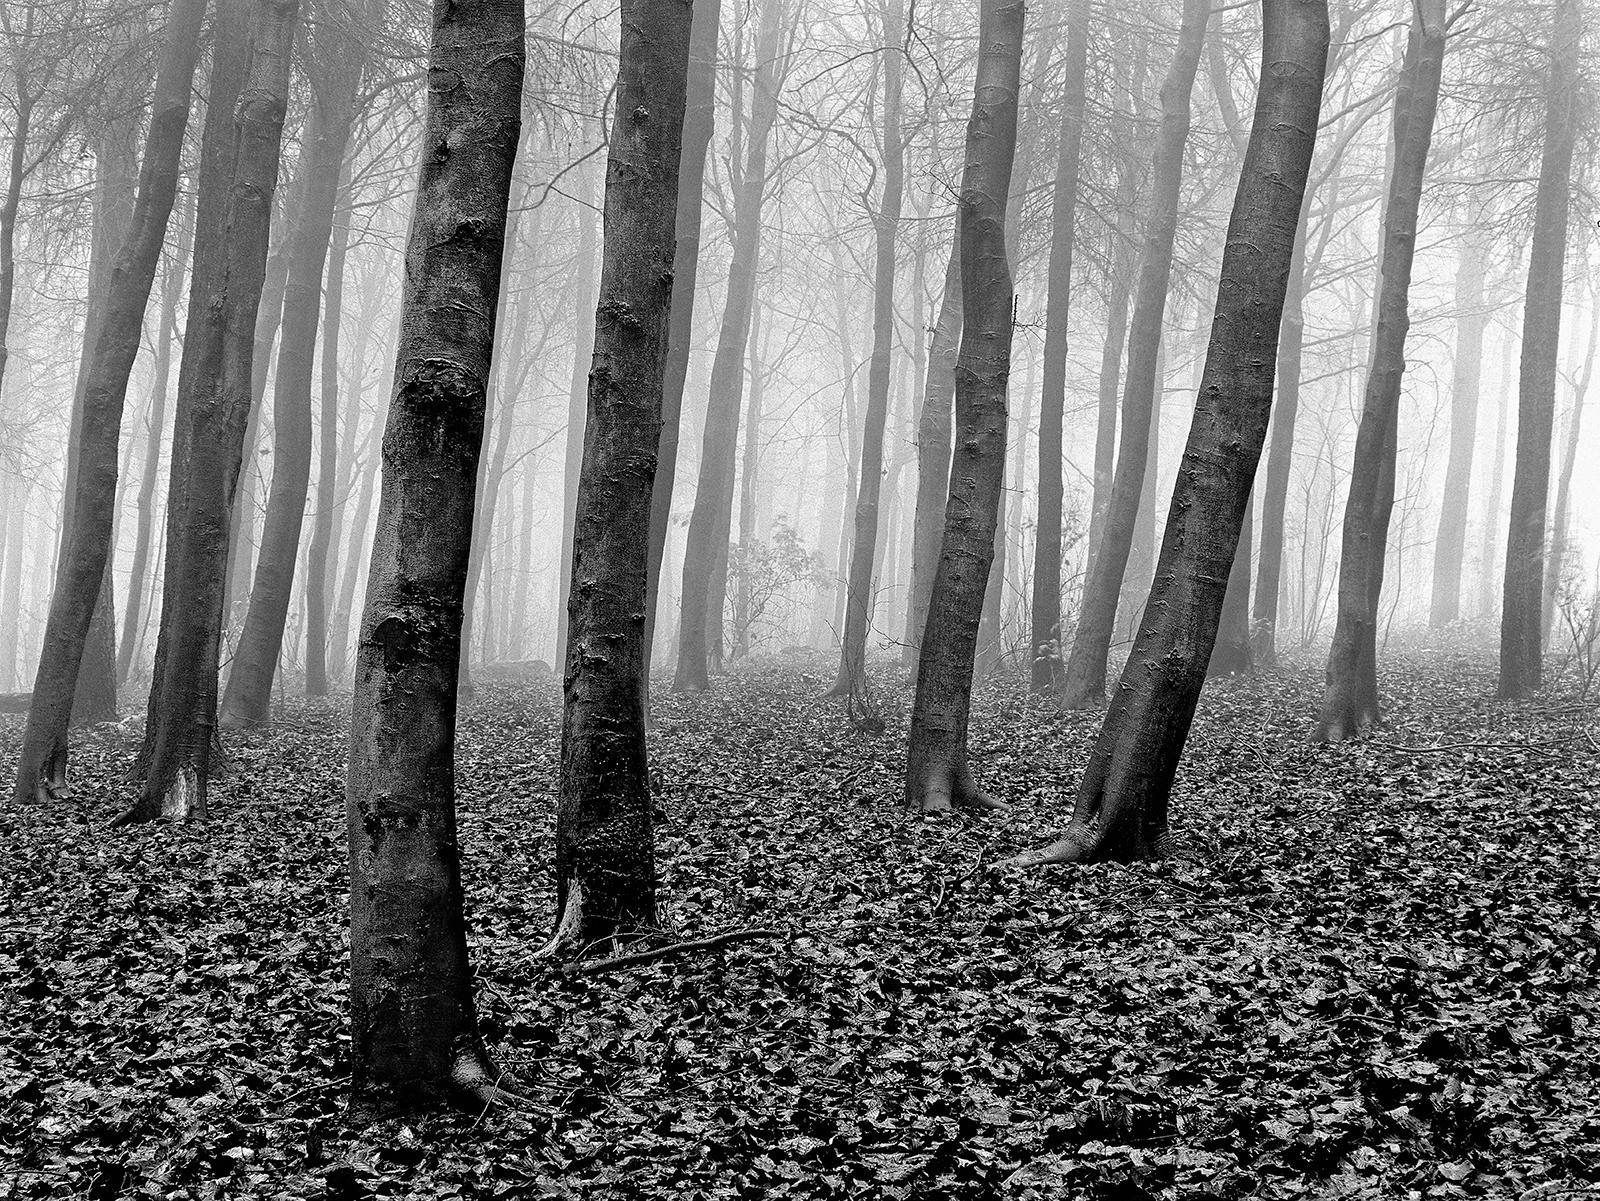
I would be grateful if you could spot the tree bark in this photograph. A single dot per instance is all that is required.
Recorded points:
(1121, 810)
(1521, 632)
(577, 399)
(1350, 703)
(1560, 523)
(413, 1023)
(1084, 683)
(80, 580)
(749, 473)
(1045, 671)
(605, 865)
(238, 174)
(938, 775)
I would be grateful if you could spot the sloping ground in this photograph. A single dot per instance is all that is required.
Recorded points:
(1364, 972)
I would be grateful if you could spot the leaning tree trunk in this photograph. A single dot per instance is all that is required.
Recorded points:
(1231, 652)
(1521, 642)
(938, 775)
(1046, 649)
(414, 1029)
(1121, 811)
(248, 699)
(42, 762)
(605, 864)
(933, 451)
(1085, 679)
(236, 188)
(706, 547)
(1350, 703)
(852, 679)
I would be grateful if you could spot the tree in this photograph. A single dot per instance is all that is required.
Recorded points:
(1084, 683)
(42, 763)
(413, 1022)
(1521, 628)
(1350, 703)
(605, 866)
(1121, 809)
(1046, 653)
(238, 175)
(938, 775)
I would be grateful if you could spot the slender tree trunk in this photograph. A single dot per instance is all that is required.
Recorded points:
(852, 679)
(1084, 684)
(42, 763)
(700, 607)
(1560, 531)
(1521, 641)
(1121, 810)
(519, 597)
(371, 458)
(238, 174)
(938, 775)
(1045, 656)
(605, 865)
(16, 517)
(1119, 300)
(1350, 703)
(749, 471)
(933, 451)
(248, 699)
(10, 203)
(413, 1024)
(577, 398)
(1494, 510)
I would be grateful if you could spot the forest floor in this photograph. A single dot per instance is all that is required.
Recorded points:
(1363, 972)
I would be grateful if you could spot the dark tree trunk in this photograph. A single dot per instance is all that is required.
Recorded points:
(238, 174)
(248, 699)
(1046, 642)
(705, 552)
(938, 775)
(1350, 703)
(324, 548)
(605, 863)
(1085, 680)
(933, 451)
(80, 580)
(1231, 653)
(577, 399)
(1121, 811)
(413, 1024)
(852, 679)
(1521, 641)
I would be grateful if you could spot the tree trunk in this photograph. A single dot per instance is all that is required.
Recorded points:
(350, 576)
(1084, 684)
(1521, 642)
(933, 451)
(248, 699)
(1045, 656)
(324, 548)
(577, 397)
(1121, 811)
(21, 121)
(938, 775)
(709, 523)
(749, 471)
(413, 1023)
(1350, 704)
(80, 580)
(605, 864)
(1560, 531)
(1117, 304)
(238, 174)
(852, 679)
(1231, 653)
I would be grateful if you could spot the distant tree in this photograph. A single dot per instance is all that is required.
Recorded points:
(1121, 809)
(938, 775)
(414, 1031)
(1521, 625)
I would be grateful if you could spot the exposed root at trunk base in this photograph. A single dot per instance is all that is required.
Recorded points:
(477, 1081)
(1343, 724)
(942, 789)
(181, 801)
(49, 783)
(1081, 698)
(568, 926)
(1086, 844)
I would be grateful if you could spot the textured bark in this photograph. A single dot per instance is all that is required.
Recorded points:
(938, 775)
(1045, 672)
(851, 682)
(1350, 703)
(238, 174)
(605, 866)
(1121, 810)
(577, 399)
(1084, 683)
(706, 549)
(1521, 641)
(933, 451)
(336, 82)
(80, 580)
(413, 1024)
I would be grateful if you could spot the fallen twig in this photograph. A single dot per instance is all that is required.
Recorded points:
(598, 966)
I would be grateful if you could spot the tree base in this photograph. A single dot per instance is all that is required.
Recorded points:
(941, 789)
(182, 800)
(1080, 696)
(1083, 846)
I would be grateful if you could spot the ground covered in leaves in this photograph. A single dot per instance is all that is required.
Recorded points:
(1367, 971)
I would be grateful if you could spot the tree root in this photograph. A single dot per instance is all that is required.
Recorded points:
(599, 966)
(567, 926)
(473, 1078)
(944, 788)
(1069, 848)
